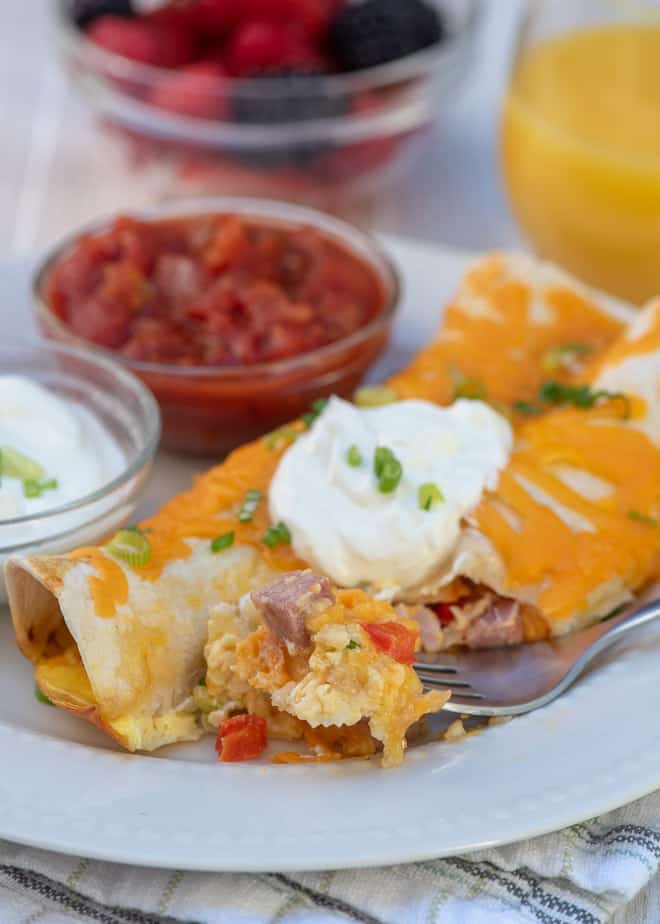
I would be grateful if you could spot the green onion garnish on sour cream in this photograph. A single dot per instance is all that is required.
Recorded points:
(429, 495)
(130, 546)
(316, 410)
(33, 488)
(375, 396)
(387, 469)
(14, 464)
(354, 456)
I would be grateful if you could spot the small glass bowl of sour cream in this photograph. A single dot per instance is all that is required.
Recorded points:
(77, 438)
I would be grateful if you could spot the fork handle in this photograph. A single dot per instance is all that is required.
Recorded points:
(604, 634)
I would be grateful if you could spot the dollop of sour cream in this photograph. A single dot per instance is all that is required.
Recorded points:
(75, 454)
(342, 524)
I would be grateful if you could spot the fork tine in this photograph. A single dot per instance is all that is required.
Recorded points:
(434, 668)
(444, 681)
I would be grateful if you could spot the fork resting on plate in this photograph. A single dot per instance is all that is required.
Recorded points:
(510, 681)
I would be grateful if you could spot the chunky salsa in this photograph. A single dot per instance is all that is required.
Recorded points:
(211, 290)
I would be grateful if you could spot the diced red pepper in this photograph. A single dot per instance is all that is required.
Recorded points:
(394, 639)
(243, 737)
(444, 613)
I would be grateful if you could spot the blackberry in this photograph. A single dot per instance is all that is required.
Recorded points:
(377, 31)
(85, 11)
(297, 96)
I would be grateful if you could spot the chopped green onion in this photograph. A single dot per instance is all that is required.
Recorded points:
(354, 456)
(32, 488)
(429, 495)
(643, 518)
(277, 535)
(14, 464)
(276, 438)
(130, 546)
(564, 355)
(526, 407)
(315, 411)
(387, 469)
(249, 506)
(220, 543)
(375, 395)
(41, 697)
(553, 392)
(353, 644)
(201, 682)
(381, 456)
(470, 389)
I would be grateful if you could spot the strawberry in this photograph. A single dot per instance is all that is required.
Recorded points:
(261, 45)
(193, 90)
(140, 40)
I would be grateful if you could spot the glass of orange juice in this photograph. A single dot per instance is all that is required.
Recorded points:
(580, 140)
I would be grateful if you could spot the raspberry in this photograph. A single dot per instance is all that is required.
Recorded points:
(377, 31)
(313, 16)
(220, 16)
(214, 17)
(193, 91)
(264, 45)
(85, 11)
(142, 41)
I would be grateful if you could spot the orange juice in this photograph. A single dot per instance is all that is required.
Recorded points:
(581, 154)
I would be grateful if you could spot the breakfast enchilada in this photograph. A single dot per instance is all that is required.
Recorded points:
(502, 517)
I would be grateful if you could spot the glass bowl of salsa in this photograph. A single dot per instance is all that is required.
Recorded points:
(237, 313)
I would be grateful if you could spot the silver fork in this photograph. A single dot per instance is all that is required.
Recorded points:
(510, 681)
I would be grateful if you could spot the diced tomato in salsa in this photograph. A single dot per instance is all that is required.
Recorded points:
(212, 290)
(393, 639)
(242, 737)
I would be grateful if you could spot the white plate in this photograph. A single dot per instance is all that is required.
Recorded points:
(63, 786)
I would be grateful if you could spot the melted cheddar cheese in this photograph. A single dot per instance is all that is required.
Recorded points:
(497, 331)
(571, 545)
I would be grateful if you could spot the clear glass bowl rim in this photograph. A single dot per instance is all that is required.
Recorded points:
(367, 248)
(150, 436)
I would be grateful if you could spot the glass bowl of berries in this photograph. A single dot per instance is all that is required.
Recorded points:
(318, 101)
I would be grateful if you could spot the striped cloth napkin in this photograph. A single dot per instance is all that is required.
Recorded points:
(604, 870)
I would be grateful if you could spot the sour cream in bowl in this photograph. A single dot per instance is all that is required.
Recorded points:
(77, 435)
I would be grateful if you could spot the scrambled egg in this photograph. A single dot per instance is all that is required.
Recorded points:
(343, 682)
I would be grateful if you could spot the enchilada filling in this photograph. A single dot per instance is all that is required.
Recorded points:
(330, 667)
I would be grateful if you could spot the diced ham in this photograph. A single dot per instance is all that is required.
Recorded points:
(286, 605)
(500, 624)
(430, 629)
